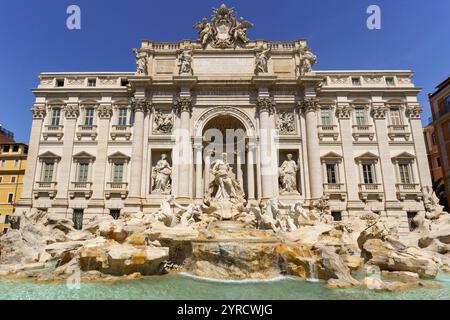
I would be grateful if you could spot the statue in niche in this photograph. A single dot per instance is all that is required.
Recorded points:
(288, 175)
(225, 185)
(307, 60)
(262, 58)
(161, 176)
(185, 62)
(285, 123)
(141, 62)
(163, 123)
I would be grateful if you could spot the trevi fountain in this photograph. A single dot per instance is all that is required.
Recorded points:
(222, 230)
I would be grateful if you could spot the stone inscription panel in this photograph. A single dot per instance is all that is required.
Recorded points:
(223, 65)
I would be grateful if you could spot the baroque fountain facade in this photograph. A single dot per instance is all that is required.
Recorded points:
(230, 158)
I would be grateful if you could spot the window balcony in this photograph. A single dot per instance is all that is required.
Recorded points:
(398, 130)
(408, 191)
(121, 131)
(80, 188)
(328, 131)
(368, 191)
(335, 190)
(45, 188)
(87, 131)
(363, 131)
(53, 131)
(116, 188)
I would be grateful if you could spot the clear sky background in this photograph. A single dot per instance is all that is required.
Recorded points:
(415, 35)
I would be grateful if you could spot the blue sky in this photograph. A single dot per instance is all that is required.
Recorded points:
(415, 35)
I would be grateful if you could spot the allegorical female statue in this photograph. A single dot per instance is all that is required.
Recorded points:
(288, 175)
(224, 184)
(162, 173)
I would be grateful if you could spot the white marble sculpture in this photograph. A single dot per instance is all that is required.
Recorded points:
(285, 123)
(141, 62)
(307, 60)
(262, 58)
(185, 62)
(288, 175)
(188, 214)
(162, 173)
(224, 181)
(163, 123)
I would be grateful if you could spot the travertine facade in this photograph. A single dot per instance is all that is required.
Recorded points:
(97, 139)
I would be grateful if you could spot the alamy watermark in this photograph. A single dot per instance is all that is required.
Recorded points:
(73, 22)
(374, 19)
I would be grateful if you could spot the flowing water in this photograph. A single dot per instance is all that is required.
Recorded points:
(173, 287)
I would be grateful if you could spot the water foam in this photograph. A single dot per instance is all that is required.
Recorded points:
(274, 279)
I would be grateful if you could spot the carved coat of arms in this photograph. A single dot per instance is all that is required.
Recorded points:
(224, 30)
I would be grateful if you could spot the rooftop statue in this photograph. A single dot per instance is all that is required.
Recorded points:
(224, 30)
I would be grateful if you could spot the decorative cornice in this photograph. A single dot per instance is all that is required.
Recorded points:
(38, 111)
(309, 105)
(266, 104)
(105, 111)
(71, 111)
(343, 111)
(379, 110)
(183, 104)
(141, 105)
(413, 110)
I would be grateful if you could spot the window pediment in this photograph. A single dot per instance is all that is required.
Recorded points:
(83, 155)
(49, 155)
(118, 156)
(404, 156)
(368, 156)
(331, 156)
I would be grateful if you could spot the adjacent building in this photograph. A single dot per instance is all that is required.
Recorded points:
(107, 143)
(13, 160)
(440, 109)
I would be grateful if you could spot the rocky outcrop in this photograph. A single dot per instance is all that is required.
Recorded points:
(297, 260)
(387, 257)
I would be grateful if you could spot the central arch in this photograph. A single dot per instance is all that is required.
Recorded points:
(225, 130)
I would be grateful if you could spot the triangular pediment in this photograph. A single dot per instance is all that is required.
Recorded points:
(118, 155)
(367, 156)
(49, 155)
(83, 155)
(404, 155)
(330, 156)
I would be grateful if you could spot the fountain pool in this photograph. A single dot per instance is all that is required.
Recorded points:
(183, 287)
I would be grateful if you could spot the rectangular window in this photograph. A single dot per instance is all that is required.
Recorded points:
(16, 149)
(325, 115)
(395, 117)
(124, 82)
(13, 179)
(11, 198)
(405, 173)
(337, 215)
(123, 114)
(5, 148)
(331, 173)
(356, 81)
(56, 116)
(3, 163)
(47, 175)
(368, 173)
(60, 82)
(92, 82)
(89, 117)
(118, 172)
(360, 116)
(16, 163)
(83, 172)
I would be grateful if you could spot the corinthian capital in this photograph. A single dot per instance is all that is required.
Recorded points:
(379, 111)
(141, 105)
(105, 111)
(309, 105)
(38, 111)
(343, 111)
(183, 104)
(71, 111)
(413, 110)
(266, 104)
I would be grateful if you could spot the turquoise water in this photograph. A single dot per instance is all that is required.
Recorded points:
(173, 287)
